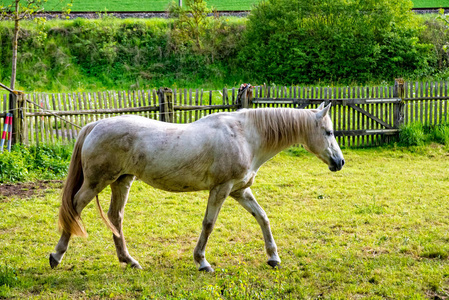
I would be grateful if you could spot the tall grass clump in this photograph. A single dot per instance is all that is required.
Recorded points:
(417, 134)
(8, 280)
(412, 135)
(35, 162)
(8, 276)
(440, 134)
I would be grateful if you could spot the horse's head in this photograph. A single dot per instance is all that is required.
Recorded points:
(321, 140)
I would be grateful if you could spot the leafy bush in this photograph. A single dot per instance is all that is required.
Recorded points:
(12, 167)
(436, 34)
(334, 40)
(26, 164)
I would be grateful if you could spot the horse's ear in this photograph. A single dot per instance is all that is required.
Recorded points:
(323, 112)
(321, 106)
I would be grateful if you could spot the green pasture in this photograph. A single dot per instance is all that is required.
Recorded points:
(144, 5)
(430, 3)
(161, 5)
(378, 229)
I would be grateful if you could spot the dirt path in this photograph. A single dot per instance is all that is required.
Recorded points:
(28, 189)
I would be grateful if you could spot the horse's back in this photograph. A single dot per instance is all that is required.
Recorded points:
(175, 157)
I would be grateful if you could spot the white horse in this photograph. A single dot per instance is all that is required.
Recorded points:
(220, 153)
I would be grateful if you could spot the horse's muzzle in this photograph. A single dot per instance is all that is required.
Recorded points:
(336, 164)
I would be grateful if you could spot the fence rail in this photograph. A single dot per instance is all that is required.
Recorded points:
(362, 116)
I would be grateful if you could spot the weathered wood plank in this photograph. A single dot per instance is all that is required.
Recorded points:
(366, 132)
(47, 123)
(63, 124)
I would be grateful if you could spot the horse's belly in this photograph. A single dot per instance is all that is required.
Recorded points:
(178, 185)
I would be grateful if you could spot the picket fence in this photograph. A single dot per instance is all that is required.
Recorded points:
(362, 116)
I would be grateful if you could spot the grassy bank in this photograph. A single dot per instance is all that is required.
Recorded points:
(377, 229)
(112, 54)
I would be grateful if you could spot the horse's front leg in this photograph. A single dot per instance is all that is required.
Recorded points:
(246, 198)
(216, 198)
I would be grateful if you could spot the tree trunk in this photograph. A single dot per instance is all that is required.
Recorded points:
(12, 97)
(14, 46)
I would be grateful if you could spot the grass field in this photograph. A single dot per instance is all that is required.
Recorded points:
(430, 3)
(378, 229)
(145, 5)
(161, 5)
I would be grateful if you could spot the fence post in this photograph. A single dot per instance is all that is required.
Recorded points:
(165, 105)
(398, 109)
(13, 110)
(22, 134)
(17, 109)
(245, 96)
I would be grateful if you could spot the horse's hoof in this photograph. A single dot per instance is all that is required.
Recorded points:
(53, 262)
(274, 264)
(135, 266)
(206, 269)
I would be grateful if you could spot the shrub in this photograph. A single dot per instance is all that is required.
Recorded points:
(334, 40)
(12, 167)
(30, 163)
(436, 34)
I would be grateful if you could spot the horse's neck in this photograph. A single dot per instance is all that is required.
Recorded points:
(276, 130)
(280, 128)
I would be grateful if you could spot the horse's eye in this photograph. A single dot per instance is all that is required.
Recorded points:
(329, 133)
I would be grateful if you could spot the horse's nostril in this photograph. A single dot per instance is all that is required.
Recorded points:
(342, 162)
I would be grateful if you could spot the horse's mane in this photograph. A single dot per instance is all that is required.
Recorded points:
(280, 127)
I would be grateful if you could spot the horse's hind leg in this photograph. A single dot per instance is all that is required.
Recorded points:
(120, 191)
(61, 248)
(81, 199)
(246, 199)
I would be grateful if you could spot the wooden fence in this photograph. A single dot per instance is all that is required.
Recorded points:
(362, 116)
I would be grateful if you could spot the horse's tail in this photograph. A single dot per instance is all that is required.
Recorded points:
(69, 219)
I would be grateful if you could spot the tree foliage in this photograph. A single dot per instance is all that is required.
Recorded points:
(190, 22)
(306, 41)
(18, 10)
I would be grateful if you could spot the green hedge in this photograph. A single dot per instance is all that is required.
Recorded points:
(306, 41)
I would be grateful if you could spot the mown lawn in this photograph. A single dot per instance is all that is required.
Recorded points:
(377, 229)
